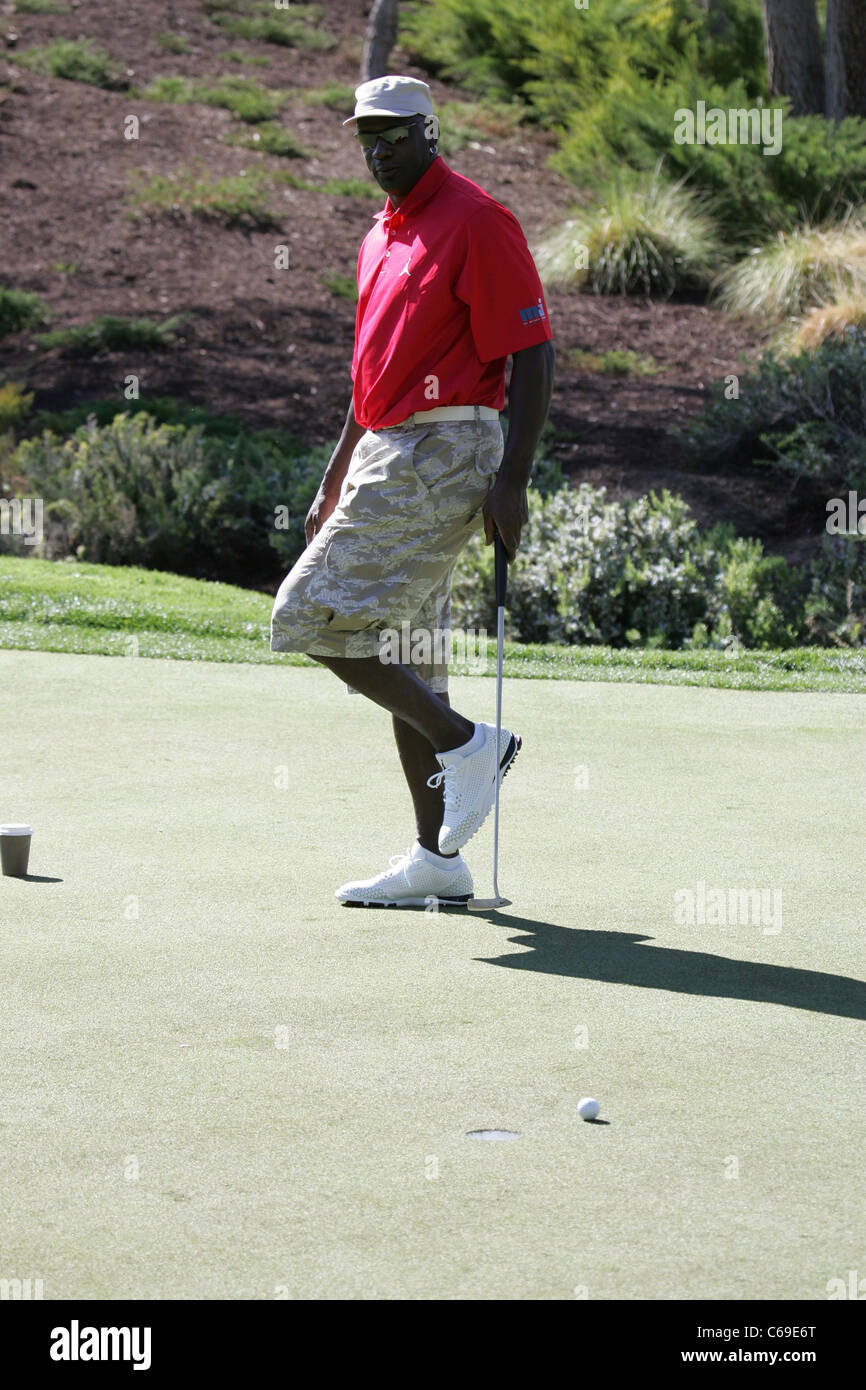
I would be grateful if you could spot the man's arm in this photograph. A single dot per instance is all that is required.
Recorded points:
(528, 403)
(328, 495)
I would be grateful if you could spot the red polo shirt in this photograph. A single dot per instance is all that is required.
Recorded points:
(447, 289)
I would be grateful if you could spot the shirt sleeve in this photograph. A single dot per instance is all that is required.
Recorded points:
(501, 286)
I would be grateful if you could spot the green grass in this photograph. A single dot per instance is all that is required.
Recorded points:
(20, 309)
(254, 60)
(174, 43)
(110, 334)
(463, 122)
(263, 23)
(219, 1083)
(41, 7)
(343, 286)
(96, 608)
(66, 267)
(76, 60)
(617, 362)
(335, 188)
(236, 200)
(269, 138)
(350, 188)
(247, 99)
(335, 95)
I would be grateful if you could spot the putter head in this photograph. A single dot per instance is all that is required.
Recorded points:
(487, 904)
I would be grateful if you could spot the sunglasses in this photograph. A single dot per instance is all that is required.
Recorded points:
(367, 138)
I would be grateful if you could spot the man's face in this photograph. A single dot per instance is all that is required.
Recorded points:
(396, 167)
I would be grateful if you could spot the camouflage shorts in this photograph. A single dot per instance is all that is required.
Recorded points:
(411, 499)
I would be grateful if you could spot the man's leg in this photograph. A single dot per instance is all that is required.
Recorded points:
(400, 691)
(419, 763)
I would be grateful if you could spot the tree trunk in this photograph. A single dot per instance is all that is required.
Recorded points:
(794, 65)
(846, 58)
(380, 39)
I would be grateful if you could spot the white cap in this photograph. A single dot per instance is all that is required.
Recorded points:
(392, 96)
(16, 830)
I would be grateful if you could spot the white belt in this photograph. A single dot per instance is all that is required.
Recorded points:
(450, 412)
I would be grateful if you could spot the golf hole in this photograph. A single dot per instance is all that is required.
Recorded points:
(492, 1134)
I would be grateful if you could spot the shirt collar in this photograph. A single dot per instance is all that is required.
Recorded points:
(429, 183)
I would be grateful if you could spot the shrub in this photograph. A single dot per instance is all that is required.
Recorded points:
(557, 61)
(760, 593)
(593, 571)
(634, 572)
(609, 80)
(805, 415)
(818, 173)
(652, 238)
(77, 60)
(844, 316)
(797, 271)
(15, 405)
(836, 602)
(166, 496)
(128, 493)
(20, 309)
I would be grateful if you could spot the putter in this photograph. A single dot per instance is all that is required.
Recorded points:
(501, 571)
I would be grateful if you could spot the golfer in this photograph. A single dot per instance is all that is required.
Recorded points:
(447, 290)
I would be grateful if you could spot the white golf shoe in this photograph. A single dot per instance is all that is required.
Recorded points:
(413, 879)
(469, 779)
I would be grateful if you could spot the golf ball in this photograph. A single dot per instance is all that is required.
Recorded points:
(588, 1108)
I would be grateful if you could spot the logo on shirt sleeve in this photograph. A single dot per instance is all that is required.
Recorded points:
(533, 313)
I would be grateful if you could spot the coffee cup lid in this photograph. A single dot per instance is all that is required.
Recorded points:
(16, 830)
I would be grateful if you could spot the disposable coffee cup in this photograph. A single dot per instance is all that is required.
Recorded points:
(15, 849)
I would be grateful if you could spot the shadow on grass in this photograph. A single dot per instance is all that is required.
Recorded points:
(623, 958)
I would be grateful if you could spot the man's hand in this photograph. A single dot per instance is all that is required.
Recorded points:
(331, 485)
(321, 507)
(506, 511)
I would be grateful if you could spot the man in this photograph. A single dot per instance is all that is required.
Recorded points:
(447, 290)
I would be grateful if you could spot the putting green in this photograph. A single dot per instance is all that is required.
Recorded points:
(220, 1084)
